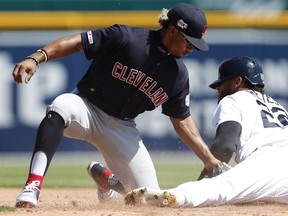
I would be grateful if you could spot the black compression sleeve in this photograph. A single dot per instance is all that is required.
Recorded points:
(49, 136)
(226, 138)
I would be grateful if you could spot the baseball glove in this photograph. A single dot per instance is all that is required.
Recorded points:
(217, 170)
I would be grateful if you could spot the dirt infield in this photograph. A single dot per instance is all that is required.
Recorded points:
(67, 202)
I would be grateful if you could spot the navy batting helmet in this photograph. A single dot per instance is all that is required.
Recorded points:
(240, 66)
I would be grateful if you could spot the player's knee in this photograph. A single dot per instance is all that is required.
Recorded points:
(67, 106)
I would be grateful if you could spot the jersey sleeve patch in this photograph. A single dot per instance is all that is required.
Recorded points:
(187, 100)
(90, 37)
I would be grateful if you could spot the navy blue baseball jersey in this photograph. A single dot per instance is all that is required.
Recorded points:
(132, 72)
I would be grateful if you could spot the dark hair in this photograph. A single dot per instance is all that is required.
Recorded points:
(165, 24)
(249, 85)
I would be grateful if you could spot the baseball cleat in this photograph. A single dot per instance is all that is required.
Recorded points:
(106, 182)
(152, 197)
(28, 197)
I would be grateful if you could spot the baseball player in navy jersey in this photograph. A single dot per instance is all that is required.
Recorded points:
(252, 124)
(132, 70)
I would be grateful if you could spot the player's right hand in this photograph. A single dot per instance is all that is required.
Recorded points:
(27, 66)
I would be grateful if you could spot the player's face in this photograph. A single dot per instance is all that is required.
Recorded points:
(177, 44)
(225, 88)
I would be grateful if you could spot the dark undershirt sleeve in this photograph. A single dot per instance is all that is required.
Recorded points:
(226, 138)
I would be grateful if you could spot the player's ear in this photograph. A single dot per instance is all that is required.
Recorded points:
(172, 29)
(240, 82)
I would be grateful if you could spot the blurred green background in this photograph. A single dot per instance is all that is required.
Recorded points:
(84, 14)
(69, 169)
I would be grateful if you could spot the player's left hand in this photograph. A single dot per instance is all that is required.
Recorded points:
(217, 170)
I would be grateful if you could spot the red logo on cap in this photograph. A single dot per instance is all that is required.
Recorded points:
(204, 29)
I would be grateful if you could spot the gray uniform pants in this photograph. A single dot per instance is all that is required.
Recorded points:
(117, 140)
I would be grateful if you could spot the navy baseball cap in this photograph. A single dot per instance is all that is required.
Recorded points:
(192, 22)
(240, 66)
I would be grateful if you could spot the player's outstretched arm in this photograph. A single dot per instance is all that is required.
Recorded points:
(64, 46)
(57, 49)
(189, 133)
(226, 139)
